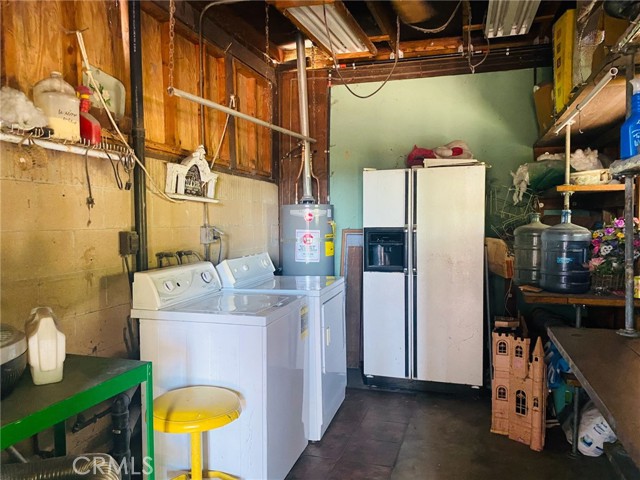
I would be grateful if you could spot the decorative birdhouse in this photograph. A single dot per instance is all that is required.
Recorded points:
(191, 178)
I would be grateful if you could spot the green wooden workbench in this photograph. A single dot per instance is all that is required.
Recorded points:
(87, 382)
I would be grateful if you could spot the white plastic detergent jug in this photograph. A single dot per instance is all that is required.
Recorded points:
(59, 102)
(46, 346)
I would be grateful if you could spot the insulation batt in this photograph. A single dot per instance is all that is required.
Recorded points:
(16, 110)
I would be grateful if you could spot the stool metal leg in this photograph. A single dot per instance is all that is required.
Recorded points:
(196, 456)
(576, 421)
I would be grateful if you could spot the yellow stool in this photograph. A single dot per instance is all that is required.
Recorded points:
(195, 410)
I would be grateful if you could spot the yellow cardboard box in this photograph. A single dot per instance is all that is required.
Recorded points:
(542, 99)
(563, 34)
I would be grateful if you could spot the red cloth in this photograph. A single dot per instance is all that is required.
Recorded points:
(417, 155)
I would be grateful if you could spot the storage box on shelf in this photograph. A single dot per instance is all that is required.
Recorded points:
(543, 100)
(596, 34)
(563, 33)
(600, 120)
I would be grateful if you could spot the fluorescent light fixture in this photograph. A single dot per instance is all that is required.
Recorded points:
(347, 38)
(510, 17)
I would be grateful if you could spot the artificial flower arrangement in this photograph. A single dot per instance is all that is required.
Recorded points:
(607, 247)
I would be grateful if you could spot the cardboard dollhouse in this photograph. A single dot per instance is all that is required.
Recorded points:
(519, 390)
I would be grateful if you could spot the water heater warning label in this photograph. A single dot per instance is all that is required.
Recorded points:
(307, 246)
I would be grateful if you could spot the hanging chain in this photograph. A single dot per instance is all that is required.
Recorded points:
(266, 32)
(268, 62)
(172, 36)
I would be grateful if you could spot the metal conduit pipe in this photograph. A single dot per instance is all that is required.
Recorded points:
(88, 466)
(138, 132)
(121, 430)
(303, 99)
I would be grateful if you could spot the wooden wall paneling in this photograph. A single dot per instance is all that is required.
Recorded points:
(246, 132)
(170, 103)
(276, 139)
(289, 150)
(351, 268)
(354, 306)
(106, 39)
(126, 55)
(264, 134)
(154, 77)
(230, 83)
(216, 90)
(319, 129)
(186, 78)
(98, 34)
(317, 93)
(35, 43)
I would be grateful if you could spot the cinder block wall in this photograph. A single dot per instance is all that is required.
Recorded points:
(247, 214)
(56, 252)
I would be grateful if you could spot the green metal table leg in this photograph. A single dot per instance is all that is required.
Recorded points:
(60, 439)
(150, 453)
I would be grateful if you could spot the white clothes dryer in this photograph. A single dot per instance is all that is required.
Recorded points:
(327, 381)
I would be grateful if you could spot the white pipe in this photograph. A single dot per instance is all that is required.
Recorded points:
(303, 104)
(567, 167)
(610, 75)
(208, 103)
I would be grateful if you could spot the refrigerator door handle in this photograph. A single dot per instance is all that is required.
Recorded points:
(408, 339)
(406, 251)
(414, 251)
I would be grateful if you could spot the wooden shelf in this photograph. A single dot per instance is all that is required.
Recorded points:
(607, 109)
(617, 187)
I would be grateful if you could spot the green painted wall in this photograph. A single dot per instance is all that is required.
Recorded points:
(492, 112)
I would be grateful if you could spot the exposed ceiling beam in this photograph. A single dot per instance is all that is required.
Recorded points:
(498, 60)
(427, 49)
(480, 26)
(212, 32)
(385, 21)
(230, 22)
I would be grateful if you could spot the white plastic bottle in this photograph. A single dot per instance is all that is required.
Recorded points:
(59, 102)
(46, 346)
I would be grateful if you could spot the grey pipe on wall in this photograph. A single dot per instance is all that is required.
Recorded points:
(138, 132)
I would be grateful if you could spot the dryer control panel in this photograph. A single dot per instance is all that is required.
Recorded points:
(164, 287)
(246, 271)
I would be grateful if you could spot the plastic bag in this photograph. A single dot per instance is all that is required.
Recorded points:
(593, 431)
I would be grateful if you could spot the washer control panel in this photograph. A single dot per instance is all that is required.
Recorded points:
(163, 287)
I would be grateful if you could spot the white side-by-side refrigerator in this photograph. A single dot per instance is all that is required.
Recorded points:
(423, 273)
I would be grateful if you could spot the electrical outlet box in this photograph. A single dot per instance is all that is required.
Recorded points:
(208, 235)
(129, 243)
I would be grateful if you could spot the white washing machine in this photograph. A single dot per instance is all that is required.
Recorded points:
(254, 344)
(325, 386)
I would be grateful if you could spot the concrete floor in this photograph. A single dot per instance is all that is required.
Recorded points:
(378, 435)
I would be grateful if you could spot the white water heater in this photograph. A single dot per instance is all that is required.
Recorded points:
(307, 234)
